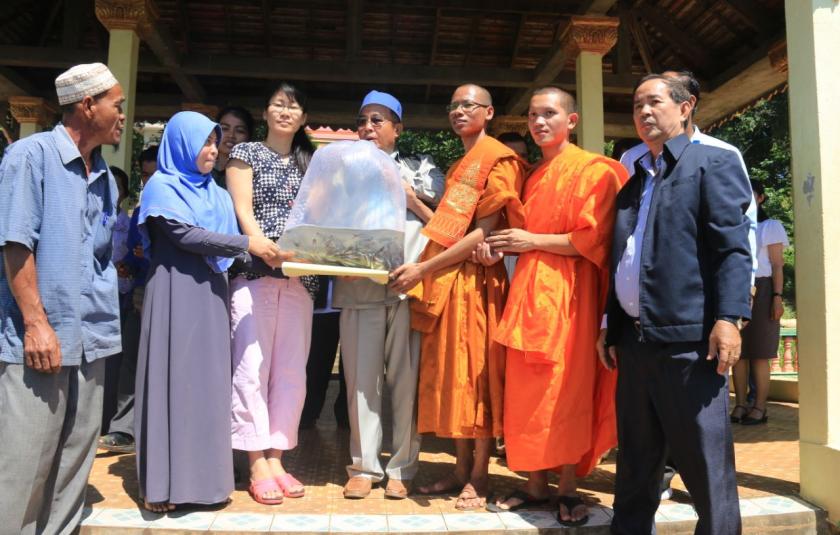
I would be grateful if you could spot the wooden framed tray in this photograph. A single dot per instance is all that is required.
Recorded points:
(297, 269)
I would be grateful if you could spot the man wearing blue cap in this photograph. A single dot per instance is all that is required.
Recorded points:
(375, 325)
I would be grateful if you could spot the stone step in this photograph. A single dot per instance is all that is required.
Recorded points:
(772, 514)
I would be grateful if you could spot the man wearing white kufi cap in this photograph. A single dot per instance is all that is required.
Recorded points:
(59, 312)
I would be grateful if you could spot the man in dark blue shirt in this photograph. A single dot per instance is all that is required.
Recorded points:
(680, 288)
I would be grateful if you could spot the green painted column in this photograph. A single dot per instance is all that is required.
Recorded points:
(813, 39)
(587, 40)
(123, 52)
(590, 100)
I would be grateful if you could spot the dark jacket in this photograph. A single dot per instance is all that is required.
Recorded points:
(695, 263)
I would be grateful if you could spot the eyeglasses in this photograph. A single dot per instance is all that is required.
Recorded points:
(467, 105)
(282, 106)
(376, 121)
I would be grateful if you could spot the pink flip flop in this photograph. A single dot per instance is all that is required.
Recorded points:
(258, 488)
(287, 482)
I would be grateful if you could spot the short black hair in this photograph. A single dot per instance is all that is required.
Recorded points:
(687, 78)
(240, 113)
(676, 89)
(120, 177)
(149, 154)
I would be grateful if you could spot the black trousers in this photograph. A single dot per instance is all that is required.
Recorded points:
(121, 370)
(670, 394)
(319, 369)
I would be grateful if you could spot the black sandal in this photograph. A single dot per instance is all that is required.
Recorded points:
(570, 502)
(525, 501)
(737, 419)
(749, 420)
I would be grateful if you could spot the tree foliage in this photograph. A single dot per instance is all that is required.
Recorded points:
(443, 145)
(763, 135)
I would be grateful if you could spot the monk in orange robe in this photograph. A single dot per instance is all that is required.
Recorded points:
(559, 401)
(457, 303)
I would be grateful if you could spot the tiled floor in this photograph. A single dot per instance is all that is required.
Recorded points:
(767, 460)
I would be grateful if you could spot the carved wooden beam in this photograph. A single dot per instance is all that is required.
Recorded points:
(690, 49)
(141, 16)
(778, 56)
(354, 29)
(33, 110)
(583, 34)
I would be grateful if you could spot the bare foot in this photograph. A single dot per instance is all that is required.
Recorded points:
(261, 471)
(578, 511)
(277, 471)
(447, 485)
(523, 497)
(472, 497)
(158, 507)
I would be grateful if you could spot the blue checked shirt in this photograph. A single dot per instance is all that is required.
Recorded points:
(48, 205)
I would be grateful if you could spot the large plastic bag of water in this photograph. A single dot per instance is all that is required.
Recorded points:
(350, 209)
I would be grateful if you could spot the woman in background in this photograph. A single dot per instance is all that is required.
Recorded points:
(237, 125)
(760, 338)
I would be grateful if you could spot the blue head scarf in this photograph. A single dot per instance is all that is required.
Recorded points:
(179, 192)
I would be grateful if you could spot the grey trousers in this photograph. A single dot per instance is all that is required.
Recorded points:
(49, 424)
(379, 349)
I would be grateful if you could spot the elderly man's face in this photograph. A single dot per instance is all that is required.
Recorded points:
(107, 117)
(657, 117)
(376, 123)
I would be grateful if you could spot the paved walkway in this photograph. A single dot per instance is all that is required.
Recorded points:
(767, 460)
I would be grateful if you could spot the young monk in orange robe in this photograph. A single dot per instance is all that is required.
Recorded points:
(458, 303)
(559, 401)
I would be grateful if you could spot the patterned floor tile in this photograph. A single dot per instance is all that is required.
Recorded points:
(416, 523)
(529, 520)
(678, 512)
(308, 523)
(599, 516)
(132, 518)
(358, 523)
(749, 508)
(780, 504)
(242, 522)
(195, 520)
(88, 514)
(473, 522)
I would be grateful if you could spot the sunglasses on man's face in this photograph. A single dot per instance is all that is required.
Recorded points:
(376, 121)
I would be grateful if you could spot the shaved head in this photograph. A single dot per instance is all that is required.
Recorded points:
(567, 101)
(482, 95)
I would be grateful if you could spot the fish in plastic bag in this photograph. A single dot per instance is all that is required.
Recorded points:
(350, 209)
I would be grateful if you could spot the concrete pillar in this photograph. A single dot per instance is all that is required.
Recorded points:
(813, 39)
(33, 114)
(587, 40)
(124, 20)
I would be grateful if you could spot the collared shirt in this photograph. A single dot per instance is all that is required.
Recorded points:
(49, 205)
(628, 159)
(629, 267)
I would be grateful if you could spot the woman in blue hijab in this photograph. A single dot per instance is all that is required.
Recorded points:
(189, 230)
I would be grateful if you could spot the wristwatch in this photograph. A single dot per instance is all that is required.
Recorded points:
(737, 321)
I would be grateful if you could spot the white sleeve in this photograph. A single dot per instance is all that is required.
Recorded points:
(774, 233)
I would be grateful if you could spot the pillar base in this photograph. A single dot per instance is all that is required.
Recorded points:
(819, 468)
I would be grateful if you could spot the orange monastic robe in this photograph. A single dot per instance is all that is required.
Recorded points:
(559, 400)
(458, 308)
